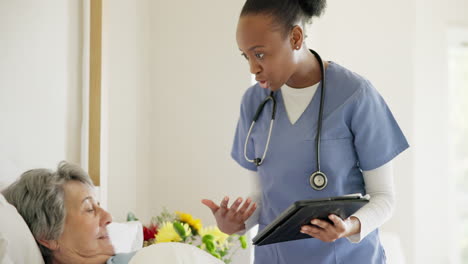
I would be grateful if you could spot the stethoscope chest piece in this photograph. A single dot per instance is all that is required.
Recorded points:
(318, 180)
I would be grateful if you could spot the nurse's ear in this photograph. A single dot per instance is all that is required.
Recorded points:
(296, 37)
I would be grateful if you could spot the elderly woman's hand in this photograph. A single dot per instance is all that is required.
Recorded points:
(231, 220)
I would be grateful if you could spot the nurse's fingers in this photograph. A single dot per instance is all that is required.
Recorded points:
(210, 204)
(244, 207)
(325, 235)
(249, 212)
(338, 223)
(311, 231)
(233, 210)
(320, 223)
(223, 207)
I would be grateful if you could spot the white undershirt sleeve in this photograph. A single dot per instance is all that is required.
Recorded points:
(379, 185)
(256, 197)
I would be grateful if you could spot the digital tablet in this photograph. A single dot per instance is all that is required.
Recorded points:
(287, 226)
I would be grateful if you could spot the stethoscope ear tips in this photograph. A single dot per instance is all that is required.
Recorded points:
(257, 161)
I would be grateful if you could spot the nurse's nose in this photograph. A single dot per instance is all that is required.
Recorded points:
(254, 67)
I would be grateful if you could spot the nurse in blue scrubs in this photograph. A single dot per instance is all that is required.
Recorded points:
(359, 140)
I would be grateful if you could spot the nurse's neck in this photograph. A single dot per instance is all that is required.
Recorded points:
(307, 70)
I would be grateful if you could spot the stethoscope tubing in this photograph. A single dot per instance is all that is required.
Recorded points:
(259, 161)
(320, 117)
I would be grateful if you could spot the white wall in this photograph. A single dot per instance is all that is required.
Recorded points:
(198, 78)
(126, 109)
(431, 108)
(40, 79)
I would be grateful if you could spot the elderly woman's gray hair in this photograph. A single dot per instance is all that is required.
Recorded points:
(38, 195)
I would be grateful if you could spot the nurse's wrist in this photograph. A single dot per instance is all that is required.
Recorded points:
(353, 226)
(241, 228)
(242, 231)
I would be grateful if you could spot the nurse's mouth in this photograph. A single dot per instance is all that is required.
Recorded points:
(263, 84)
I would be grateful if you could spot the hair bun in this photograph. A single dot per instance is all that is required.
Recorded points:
(313, 8)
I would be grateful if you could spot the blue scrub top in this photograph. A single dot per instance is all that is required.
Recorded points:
(358, 133)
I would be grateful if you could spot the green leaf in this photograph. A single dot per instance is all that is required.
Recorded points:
(131, 217)
(165, 216)
(207, 238)
(210, 246)
(194, 231)
(224, 252)
(216, 255)
(179, 228)
(243, 241)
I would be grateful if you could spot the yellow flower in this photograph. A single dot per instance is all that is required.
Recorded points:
(187, 218)
(167, 233)
(219, 237)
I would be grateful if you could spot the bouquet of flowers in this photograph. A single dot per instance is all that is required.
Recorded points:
(182, 227)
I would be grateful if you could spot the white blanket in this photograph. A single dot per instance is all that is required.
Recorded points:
(173, 253)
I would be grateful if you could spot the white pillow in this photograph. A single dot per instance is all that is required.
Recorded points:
(173, 253)
(4, 258)
(126, 237)
(17, 244)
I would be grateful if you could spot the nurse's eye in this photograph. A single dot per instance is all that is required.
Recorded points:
(259, 55)
(245, 56)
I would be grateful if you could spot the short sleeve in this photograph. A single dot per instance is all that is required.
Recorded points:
(243, 125)
(377, 137)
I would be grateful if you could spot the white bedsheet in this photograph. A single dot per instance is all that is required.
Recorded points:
(173, 253)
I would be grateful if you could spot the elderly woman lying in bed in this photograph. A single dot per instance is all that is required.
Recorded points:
(69, 225)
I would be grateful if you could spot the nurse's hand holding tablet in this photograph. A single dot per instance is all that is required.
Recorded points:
(328, 232)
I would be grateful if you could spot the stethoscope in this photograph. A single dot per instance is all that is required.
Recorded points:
(318, 180)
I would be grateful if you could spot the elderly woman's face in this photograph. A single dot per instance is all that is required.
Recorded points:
(85, 233)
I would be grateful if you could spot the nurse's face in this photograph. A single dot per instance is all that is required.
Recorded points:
(268, 51)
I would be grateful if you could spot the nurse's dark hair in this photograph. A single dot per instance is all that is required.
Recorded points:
(286, 13)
